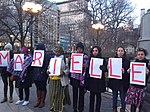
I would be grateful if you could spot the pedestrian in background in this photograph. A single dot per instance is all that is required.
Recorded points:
(40, 78)
(95, 85)
(122, 85)
(6, 77)
(77, 81)
(135, 94)
(23, 79)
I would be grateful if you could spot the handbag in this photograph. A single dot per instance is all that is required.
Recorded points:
(64, 80)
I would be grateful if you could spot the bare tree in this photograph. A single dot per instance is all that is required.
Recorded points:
(111, 13)
(14, 21)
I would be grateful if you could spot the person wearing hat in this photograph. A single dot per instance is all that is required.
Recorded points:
(6, 75)
(40, 78)
(58, 84)
(78, 81)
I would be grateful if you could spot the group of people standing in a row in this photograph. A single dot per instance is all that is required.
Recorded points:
(58, 85)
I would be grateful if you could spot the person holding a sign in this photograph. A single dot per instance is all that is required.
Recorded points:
(58, 72)
(40, 76)
(120, 85)
(96, 78)
(78, 73)
(22, 76)
(136, 91)
(6, 75)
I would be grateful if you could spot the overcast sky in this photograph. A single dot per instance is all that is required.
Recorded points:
(139, 4)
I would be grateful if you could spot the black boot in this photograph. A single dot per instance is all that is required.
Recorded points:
(4, 100)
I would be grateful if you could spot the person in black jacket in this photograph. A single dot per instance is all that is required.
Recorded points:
(135, 94)
(6, 75)
(40, 77)
(122, 85)
(95, 85)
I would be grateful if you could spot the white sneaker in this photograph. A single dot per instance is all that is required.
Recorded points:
(25, 103)
(19, 102)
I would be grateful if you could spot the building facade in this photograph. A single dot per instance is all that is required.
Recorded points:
(46, 26)
(144, 40)
(74, 22)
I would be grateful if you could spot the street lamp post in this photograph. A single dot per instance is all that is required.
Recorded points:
(32, 8)
(97, 27)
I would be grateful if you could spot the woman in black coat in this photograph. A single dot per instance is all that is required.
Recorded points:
(122, 85)
(40, 77)
(95, 85)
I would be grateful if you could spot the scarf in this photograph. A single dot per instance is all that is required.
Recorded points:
(21, 74)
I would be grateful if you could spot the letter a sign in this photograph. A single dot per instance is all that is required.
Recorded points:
(18, 61)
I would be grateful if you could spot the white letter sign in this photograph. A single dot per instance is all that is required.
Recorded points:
(18, 61)
(55, 66)
(76, 63)
(95, 70)
(115, 68)
(137, 73)
(4, 58)
(38, 58)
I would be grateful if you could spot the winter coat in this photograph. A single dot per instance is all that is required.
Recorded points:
(40, 73)
(116, 84)
(27, 82)
(97, 85)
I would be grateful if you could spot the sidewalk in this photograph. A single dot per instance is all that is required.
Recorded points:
(11, 107)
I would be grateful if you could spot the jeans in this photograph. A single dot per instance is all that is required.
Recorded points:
(11, 87)
(26, 90)
(122, 97)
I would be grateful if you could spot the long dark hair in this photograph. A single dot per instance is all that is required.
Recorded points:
(124, 55)
(99, 55)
